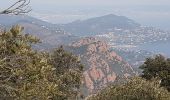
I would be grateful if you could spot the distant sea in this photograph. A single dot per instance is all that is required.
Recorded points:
(157, 48)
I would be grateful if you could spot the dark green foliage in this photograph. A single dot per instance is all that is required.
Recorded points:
(65, 61)
(157, 67)
(135, 89)
(69, 70)
(26, 74)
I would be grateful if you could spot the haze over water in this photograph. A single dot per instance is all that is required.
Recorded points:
(157, 48)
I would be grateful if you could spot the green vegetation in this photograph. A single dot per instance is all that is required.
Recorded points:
(157, 67)
(69, 71)
(153, 84)
(26, 74)
(135, 89)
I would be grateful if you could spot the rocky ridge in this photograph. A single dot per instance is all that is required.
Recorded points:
(102, 65)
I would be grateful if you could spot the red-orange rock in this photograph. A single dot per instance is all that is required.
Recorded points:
(88, 81)
(96, 74)
(102, 65)
(111, 77)
(91, 48)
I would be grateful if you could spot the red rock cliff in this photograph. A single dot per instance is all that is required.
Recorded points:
(102, 66)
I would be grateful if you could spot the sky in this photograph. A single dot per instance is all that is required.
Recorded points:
(147, 12)
(102, 2)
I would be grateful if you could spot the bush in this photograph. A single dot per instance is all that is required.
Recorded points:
(136, 89)
(157, 67)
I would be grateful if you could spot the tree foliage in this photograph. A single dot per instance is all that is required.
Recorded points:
(69, 70)
(157, 67)
(27, 74)
(135, 89)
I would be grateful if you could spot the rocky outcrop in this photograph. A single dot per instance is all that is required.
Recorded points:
(102, 65)
(83, 42)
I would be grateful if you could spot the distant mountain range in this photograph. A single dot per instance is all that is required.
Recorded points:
(53, 35)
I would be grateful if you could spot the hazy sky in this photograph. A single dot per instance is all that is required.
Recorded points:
(47, 3)
(149, 12)
(102, 2)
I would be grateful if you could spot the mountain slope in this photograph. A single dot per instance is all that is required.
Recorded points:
(102, 66)
(14, 19)
(50, 35)
(98, 25)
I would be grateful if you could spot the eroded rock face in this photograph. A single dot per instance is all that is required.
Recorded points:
(102, 66)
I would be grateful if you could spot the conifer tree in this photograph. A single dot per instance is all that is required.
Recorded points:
(27, 74)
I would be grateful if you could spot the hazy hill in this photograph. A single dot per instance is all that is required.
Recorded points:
(99, 25)
(13, 19)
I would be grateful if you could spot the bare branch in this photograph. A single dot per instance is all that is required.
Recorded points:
(19, 7)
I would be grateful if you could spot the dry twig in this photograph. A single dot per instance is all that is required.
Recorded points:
(19, 7)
